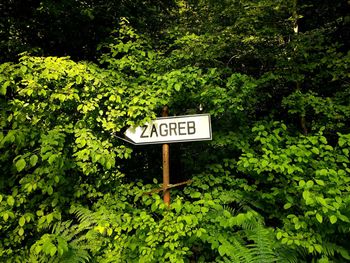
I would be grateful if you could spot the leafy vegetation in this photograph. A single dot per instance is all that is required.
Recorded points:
(272, 186)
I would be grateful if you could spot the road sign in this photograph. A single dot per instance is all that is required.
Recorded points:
(172, 129)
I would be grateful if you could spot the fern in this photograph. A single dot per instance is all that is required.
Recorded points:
(263, 246)
(287, 255)
(74, 256)
(248, 240)
(76, 236)
(69, 242)
(331, 248)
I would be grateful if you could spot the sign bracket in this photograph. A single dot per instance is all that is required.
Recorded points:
(157, 190)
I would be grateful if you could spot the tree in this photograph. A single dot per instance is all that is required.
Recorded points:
(72, 28)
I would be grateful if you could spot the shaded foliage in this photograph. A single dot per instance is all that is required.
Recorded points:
(72, 28)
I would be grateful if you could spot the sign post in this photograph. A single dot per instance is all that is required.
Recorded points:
(167, 130)
(166, 165)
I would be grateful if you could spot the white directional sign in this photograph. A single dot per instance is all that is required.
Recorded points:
(172, 129)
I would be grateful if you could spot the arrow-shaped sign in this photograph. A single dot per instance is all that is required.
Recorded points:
(172, 129)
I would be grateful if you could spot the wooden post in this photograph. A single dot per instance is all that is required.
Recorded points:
(166, 166)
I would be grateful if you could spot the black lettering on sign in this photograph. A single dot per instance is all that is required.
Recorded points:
(169, 129)
(172, 127)
(143, 132)
(154, 130)
(191, 127)
(163, 131)
(182, 126)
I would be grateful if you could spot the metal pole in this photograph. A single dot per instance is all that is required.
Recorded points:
(166, 176)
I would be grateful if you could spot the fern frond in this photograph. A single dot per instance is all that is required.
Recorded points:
(74, 256)
(331, 248)
(263, 246)
(287, 255)
(229, 209)
(83, 214)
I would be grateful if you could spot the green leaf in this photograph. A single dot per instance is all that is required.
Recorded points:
(79, 79)
(323, 140)
(50, 190)
(52, 158)
(320, 182)
(323, 172)
(264, 163)
(319, 218)
(21, 231)
(279, 235)
(177, 86)
(150, 54)
(318, 248)
(343, 218)
(311, 249)
(309, 183)
(20, 164)
(315, 150)
(57, 179)
(10, 200)
(22, 221)
(49, 218)
(82, 142)
(306, 195)
(287, 205)
(33, 160)
(344, 253)
(5, 216)
(188, 220)
(3, 88)
(53, 250)
(333, 219)
(135, 100)
(38, 249)
(196, 195)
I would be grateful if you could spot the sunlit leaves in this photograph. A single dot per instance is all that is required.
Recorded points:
(52, 145)
(10, 201)
(333, 219)
(20, 164)
(33, 160)
(22, 221)
(319, 217)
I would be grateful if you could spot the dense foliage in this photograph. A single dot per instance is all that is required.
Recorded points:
(272, 186)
